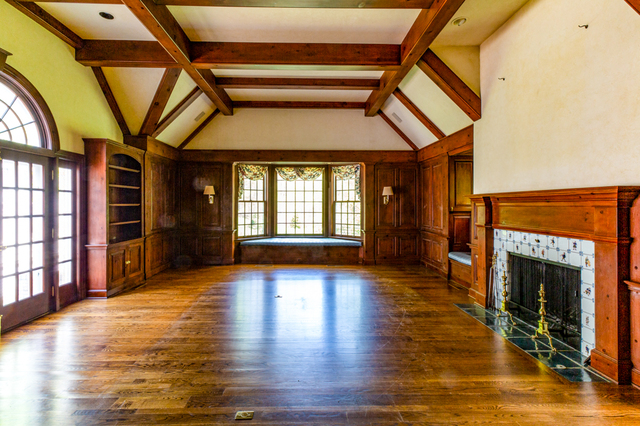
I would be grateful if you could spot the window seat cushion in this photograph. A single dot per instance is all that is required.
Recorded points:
(461, 257)
(302, 242)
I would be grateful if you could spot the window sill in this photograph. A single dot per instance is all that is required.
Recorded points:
(307, 241)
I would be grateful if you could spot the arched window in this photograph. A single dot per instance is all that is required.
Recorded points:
(24, 116)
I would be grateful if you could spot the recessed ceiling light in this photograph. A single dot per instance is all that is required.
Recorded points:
(458, 22)
(106, 15)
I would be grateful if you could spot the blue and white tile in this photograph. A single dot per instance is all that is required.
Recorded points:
(525, 249)
(543, 252)
(589, 336)
(496, 233)
(534, 251)
(574, 245)
(525, 238)
(588, 321)
(510, 246)
(588, 248)
(511, 235)
(588, 305)
(588, 276)
(518, 248)
(587, 290)
(588, 262)
(575, 259)
(563, 257)
(552, 254)
(563, 243)
(552, 242)
(586, 348)
(542, 240)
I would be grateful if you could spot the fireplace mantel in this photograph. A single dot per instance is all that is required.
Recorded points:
(602, 215)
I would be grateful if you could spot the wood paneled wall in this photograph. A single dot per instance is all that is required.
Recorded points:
(601, 215)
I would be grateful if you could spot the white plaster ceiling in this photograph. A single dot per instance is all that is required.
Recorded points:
(410, 125)
(187, 122)
(134, 89)
(484, 17)
(184, 85)
(289, 25)
(85, 21)
(298, 95)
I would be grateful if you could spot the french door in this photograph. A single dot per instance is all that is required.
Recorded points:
(26, 258)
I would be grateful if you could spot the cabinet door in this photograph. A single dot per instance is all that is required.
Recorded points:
(135, 260)
(117, 268)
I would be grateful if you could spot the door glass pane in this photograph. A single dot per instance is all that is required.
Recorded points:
(64, 180)
(8, 173)
(65, 203)
(38, 282)
(8, 202)
(38, 202)
(9, 261)
(24, 258)
(8, 290)
(37, 253)
(38, 229)
(64, 249)
(24, 286)
(38, 178)
(65, 273)
(24, 230)
(24, 202)
(64, 226)
(8, 232)
(23, 175)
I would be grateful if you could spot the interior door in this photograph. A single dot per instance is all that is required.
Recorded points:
(25, 185)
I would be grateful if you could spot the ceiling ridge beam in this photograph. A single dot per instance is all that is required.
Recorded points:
(398, 131)
(451, 84)
(334, 4)
(111, 100)
(198, 129)
(297, 83)
(635, 4)
(423, 32)
(299, 104)
(176, 111)
(413, 108)
(160, 99)
(165, 28)
(46, 20)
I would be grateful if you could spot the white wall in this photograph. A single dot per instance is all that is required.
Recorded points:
(568, 113)
(324, 129)
(69, 89)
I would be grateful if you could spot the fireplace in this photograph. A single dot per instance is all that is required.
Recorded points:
(562, 287)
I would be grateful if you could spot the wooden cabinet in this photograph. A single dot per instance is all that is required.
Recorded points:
(115, 222)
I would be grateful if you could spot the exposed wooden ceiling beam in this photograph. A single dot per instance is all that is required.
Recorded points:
(43, 18)
(299, 104)
(349, 4)
(430, 125)
(198, 129)
(298, 83)
(160, 99)
(111, 100)
(398, 131)
(634, 4)
(176, 111)
(451, 84)
(226, 55)
(423, 32)
(3, 58)
(207, 55)
(164, 27)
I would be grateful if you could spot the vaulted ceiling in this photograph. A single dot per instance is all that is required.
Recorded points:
(169, 67)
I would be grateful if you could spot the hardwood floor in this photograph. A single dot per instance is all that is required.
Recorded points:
(342, 345)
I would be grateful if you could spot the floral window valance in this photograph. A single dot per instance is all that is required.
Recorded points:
(349, 172)
(251, 172)
(295, 173)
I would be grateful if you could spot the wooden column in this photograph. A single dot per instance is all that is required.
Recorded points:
(481, 247)
(368, 256)
(228, 214)
(634, 311)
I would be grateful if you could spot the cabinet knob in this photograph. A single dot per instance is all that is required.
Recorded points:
(127, 262)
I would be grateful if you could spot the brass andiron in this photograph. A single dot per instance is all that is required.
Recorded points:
(504, 309)
(543, 326)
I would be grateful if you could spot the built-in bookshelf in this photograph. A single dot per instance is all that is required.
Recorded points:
(125, 198)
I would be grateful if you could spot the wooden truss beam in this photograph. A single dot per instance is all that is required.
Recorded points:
(198, 129)
(423, 32)
(50, 23)
(111, 100)
(334, 4)
(399, 94)
(634, 4)
(451, 84)
(160, 99)
(176, 111)
(299, 105)
(398, 131)
(164, 27)
(298, 83)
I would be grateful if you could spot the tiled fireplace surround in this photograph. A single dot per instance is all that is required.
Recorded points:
(604, 224)
(567, 251)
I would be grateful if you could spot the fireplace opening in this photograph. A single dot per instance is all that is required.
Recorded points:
(562, 288)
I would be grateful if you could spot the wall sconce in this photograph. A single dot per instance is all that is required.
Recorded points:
(387, 191)
(208, 190)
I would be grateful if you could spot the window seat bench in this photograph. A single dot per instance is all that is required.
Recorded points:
(460, 268)
(311, 251)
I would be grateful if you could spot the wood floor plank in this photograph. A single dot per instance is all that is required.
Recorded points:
(342, 345)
